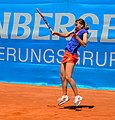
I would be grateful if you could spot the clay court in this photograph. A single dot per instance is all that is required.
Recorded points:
(27, 102)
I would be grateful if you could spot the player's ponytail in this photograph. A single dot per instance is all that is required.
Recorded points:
(86, 26)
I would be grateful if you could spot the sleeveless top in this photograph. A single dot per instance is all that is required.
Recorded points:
(73, 44)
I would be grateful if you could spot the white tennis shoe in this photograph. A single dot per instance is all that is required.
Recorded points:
(63, 99)
(77, 100)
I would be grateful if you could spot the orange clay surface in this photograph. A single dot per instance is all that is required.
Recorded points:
(27, 102)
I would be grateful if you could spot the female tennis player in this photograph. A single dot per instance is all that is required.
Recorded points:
(79, 38)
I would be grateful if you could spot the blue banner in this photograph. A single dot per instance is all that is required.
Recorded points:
(30, 54)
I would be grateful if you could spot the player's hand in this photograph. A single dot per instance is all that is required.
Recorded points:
(52, 32)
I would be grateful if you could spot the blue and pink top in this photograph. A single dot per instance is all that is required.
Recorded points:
(73, 44)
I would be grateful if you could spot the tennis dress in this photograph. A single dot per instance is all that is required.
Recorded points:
(70, 54)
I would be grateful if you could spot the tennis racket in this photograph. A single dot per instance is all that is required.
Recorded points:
(44, 19)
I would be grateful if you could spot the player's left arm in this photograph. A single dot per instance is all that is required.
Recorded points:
(84, 41)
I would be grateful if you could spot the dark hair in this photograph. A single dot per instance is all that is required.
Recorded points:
(82, 22)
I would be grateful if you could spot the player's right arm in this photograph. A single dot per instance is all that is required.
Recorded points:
(62, 34)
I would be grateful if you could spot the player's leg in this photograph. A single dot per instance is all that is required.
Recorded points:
(69, 71)
(63, 78)
(64, 97)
